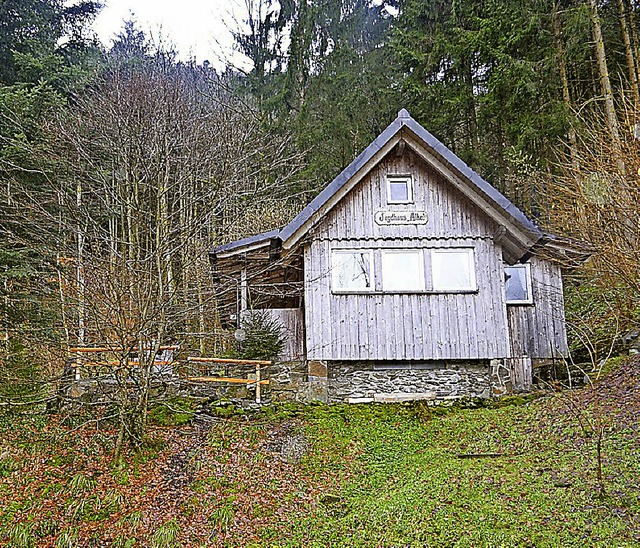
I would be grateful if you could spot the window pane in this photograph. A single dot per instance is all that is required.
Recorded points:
(398, 191)
(516, 284)
(402, 270)
(352, 270)
(453, 270)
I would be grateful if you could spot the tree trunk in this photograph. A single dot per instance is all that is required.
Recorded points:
(634, 37)
(628, 48)
(5, 337)
(566, 95)
(201, 318)
(80, 279)
(605, 83)
(471, 108)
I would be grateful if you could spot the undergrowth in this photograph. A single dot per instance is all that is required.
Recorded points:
(519, 471)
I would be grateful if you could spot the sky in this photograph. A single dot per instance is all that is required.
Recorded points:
(196, 28)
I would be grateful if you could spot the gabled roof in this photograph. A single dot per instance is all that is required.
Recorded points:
(520, 233)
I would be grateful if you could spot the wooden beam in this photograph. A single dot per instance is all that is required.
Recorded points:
(114, 363)
(258, 383)
(90, 349)
(227, 379)
(228, 360)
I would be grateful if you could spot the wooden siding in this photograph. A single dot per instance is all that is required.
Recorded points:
(450, 214)
(538, 330)
(421, 326)
(521, 373)
(292, 321)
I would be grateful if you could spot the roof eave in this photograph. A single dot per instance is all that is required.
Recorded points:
(291, 233)
(245, 244)
(569, 253)
(489, 191)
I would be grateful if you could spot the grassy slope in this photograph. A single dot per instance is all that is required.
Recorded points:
(411, 489)
(372, 476)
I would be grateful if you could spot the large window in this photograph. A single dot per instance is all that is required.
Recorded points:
(352, 270)
(453, 269)
(399, 189)
(402, 270)
(517, 284)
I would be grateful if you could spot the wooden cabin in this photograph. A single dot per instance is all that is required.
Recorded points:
(407, 277)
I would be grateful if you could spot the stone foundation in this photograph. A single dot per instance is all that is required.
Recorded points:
(340, 382)
(289, 381)
(351, 381)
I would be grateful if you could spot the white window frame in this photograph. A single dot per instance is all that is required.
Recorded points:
(385, 252)
(334, 277)
(470, 251)
(527, 277)
(398, 178)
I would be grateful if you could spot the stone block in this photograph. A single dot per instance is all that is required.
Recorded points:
(360, 400)
(317, 389)
(396, 397)
(76, 391)
(317, 369)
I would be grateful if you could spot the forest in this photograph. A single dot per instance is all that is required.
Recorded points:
(122, 166)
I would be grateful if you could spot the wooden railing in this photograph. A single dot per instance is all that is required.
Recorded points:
(206, 376)
(103, 359)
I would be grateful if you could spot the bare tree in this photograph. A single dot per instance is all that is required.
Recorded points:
(594, 201)
(150, 169)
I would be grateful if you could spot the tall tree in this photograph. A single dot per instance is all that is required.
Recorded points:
(45, 54)
(628, 49)
(603, 71)
(329, 75)
(476, 76)
(40, 38)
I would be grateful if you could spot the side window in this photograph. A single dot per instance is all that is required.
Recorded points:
(352, 270)
(453, 269)
(399, 189)
(402, 270)
(517, 284)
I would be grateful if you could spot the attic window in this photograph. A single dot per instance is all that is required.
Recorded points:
(517, 284)
(352, 270)
(399, 189)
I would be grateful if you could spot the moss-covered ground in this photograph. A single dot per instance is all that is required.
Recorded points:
(521, 472)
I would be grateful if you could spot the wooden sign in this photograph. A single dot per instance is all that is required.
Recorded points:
(387, 218)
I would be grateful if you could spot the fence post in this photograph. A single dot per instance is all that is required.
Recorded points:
(258, 399)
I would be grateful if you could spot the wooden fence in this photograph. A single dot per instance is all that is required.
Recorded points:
(102, 361)
(205, 374)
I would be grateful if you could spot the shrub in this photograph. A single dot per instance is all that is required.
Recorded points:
(263, 337)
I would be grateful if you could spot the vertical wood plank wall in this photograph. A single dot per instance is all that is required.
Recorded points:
(292, 321)
(538, 331)
(405, 326)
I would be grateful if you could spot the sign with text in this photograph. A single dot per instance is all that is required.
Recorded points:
(387, 218)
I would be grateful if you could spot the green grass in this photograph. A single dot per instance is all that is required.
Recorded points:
(406, 485)
(372, 476)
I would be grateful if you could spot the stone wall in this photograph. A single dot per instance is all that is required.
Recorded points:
(288, 381)
(340, 382)
(443, 379)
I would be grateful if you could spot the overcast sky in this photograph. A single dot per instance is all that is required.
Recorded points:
(197, 28)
